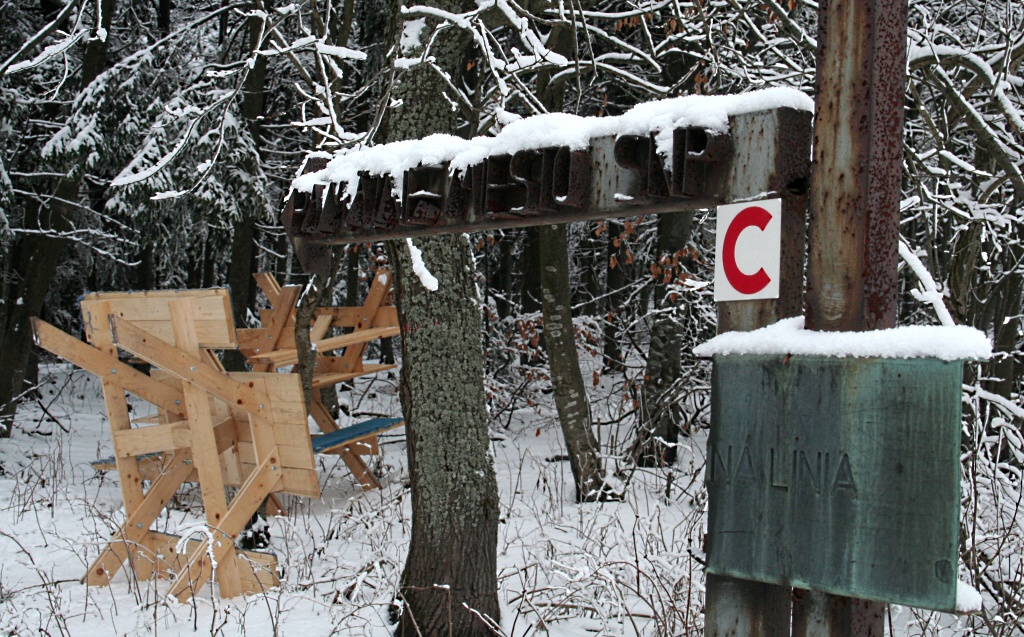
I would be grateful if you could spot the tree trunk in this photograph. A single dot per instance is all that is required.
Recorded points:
(453, 553)
(163, 19)
(452, 561)
(559, 340)
(613, 361)
(35, 258)
(660, 415)
(560, 343)
(529, 297)
(243, 240)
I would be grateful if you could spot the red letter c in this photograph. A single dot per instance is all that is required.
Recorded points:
(744, 283)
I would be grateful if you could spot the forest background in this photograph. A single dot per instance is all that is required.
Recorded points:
(147, 145)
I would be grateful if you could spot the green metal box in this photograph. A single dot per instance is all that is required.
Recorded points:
(837, 474)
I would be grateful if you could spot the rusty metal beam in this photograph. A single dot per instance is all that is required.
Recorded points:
(615, 177)
(854, 212)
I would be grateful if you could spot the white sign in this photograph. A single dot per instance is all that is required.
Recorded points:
(747, 250)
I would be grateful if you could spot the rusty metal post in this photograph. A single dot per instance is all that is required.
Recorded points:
(854, 213)
(858, 149)
(778, 165)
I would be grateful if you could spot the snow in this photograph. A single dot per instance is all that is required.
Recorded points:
(411, 32)
(788, 336)
(968, 599)
(343, 554)
(660, 117)
(419, 268)
(625, 569)
(929, 293)
(342, 52)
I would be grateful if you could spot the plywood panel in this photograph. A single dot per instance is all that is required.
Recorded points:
(150, 311)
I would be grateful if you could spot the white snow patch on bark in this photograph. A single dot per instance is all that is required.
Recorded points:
(410, 40)
(419, 268)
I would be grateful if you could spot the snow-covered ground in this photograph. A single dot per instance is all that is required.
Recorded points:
(565, 570)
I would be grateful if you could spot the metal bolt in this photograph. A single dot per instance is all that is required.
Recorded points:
(139, 525)
(261, 406)
(273, 467)
(187, 461)
(177, 402)
(193, 368)
(113, 371)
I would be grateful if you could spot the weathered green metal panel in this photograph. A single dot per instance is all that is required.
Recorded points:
(837, 474)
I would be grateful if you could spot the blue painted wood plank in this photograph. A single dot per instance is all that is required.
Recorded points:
(353, 432)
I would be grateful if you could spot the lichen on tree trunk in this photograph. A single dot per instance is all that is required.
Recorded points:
(453, 553)
(450, 579)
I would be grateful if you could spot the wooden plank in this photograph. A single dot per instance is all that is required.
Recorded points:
(352, 316)
(155, 419)
(300, 482)
(151, 311)
(356, 338)
(279, 321)
(360, 470)
(257, 570)
(320, 326)
(226, 433)
(133, 531)
(187, 367)
(264, 431)
(352, 359)
(288, 438)
(251, 339)
(364, 446)
(322, 416)
(282, 358)
(107, 366)
(198, 568)
(166, 295)
(118, 419)
(292, 456)
(150, 468)
(279, 387)
(144, 440)
(268, 283)
(212, 334)
(333, 378)
(204, 442)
